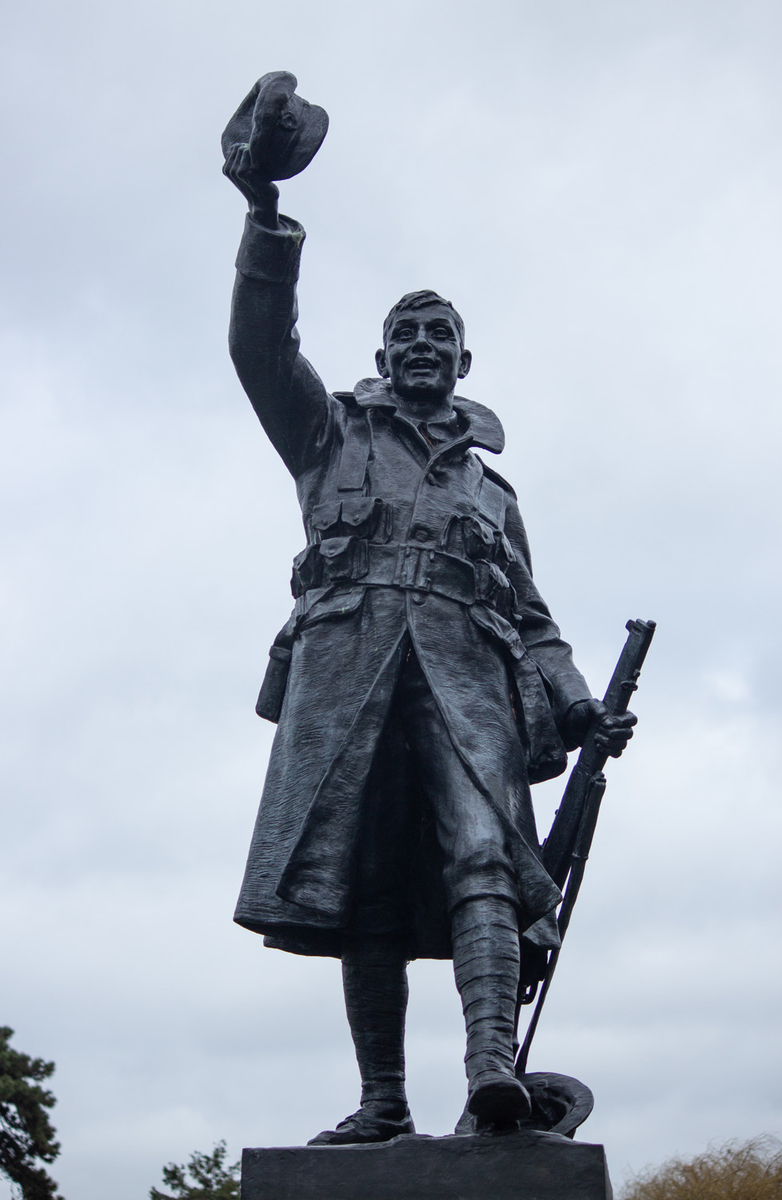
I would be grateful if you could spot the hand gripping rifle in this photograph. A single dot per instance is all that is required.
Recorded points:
(567, 846)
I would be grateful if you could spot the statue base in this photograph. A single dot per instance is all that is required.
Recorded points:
(523, 1165)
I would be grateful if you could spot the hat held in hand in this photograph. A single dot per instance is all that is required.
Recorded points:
(283, 131)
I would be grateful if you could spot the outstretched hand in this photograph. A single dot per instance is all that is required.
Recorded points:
(247, 163)
(611, 733)
(260, 193)
(274, 134)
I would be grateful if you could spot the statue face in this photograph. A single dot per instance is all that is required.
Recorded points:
(422, 356)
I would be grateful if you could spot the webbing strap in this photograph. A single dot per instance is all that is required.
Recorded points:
(355, 454)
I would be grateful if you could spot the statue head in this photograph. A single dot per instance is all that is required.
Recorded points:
(423, 347)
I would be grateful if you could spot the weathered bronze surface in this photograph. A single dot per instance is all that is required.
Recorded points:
(420, 685)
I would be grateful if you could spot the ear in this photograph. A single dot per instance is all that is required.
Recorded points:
(381, 364)
(465, 362)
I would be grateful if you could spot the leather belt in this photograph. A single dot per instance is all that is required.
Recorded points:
(419, 569)
(358, 563)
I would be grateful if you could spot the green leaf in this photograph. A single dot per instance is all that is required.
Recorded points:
(26, 1133)
(210, 1178)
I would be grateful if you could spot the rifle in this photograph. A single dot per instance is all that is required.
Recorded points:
(567, 846)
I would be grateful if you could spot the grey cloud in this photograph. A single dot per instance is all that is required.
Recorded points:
(598, 189)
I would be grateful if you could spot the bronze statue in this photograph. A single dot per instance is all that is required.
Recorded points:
(420, 685)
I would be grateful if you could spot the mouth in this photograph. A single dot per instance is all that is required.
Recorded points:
(422, 364)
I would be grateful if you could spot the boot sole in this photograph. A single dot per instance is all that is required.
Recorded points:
(500, 1101)
(357, 1131)
(333, 1137)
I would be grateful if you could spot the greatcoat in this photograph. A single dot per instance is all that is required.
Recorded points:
(409, 536)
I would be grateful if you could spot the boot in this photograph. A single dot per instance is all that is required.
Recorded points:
(485, 939)
(374, 978)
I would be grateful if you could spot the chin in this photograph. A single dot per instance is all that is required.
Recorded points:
(417, 392)
(424, 387)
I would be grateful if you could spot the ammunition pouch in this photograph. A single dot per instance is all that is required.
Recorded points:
(334, 560)
(478, 538)
(359, 516)
(495, 589)
(485, 543)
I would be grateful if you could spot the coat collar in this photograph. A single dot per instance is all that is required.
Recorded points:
(485, 428)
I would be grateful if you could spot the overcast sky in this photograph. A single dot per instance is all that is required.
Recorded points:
(598, 189)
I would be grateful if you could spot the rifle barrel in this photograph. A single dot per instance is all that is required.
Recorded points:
(558, 846)
(567, 847)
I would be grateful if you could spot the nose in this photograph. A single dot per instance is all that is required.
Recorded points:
(421, 340)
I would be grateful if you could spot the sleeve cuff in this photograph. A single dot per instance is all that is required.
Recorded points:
(271, 254)
(572, 741)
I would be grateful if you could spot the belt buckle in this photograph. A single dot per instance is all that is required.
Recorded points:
(423, 578)
(406, 566)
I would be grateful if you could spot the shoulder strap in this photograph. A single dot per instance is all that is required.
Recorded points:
(495, 476)
(356, 449)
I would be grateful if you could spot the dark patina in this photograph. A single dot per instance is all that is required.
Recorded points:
(420, 685)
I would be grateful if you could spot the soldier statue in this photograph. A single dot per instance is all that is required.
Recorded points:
(420, 685)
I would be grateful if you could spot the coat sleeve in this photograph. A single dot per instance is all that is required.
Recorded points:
(541, 637)
(286, 392)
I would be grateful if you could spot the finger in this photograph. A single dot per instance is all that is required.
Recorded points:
(620, 737)
(610, 741)
(234, 158)
(236, 169)
(233, 172)
(245, 170)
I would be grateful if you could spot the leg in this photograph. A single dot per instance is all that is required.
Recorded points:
(374, 977)
(374, 966)
(482, 892)
(486, 967)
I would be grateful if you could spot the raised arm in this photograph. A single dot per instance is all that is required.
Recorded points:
(285, 391)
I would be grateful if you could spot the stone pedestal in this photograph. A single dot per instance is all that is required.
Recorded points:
(515, 1166)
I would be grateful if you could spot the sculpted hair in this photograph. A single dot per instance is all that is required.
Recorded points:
(425, 299)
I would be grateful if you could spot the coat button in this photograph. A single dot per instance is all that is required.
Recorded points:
(421, 534)
(418, 598)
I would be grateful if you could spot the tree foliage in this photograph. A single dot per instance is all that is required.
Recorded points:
(211, 1178)
(26, 1134)
(736, 1171)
